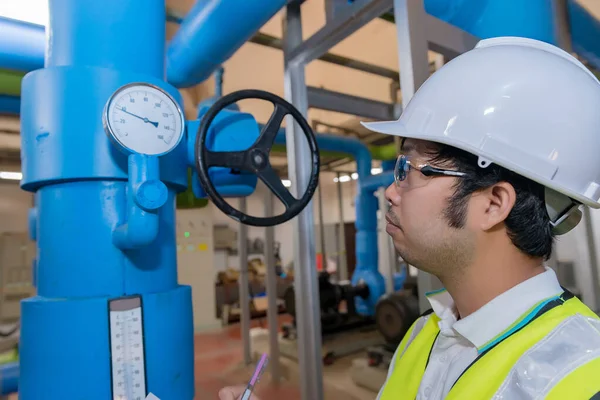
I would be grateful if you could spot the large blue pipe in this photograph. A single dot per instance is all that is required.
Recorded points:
(366, 215)
(80, 180)
(9, 378)
(22, 45)
(10, 104)
(374, 182)
(211, 32)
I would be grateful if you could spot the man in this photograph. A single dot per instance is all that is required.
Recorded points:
(500, 152)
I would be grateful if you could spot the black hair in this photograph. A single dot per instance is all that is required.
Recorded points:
(527, 224)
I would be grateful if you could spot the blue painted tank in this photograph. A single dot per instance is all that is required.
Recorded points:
(80, 184)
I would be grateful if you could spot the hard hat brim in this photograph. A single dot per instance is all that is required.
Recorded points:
(397, 128)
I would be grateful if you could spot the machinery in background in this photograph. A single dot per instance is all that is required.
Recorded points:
(394, 315)
(228, 290)
(338, 311)
(345, 331)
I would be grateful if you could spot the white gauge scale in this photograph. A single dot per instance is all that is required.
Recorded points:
(142, 118)
(127, 349)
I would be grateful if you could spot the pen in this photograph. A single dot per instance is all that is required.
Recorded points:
(260, 367)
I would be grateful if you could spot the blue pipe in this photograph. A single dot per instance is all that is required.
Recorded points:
(366, 215)
(84, 189)
(10, 104)
(388, 165)
(192, 57)
(146, 194)
(9, 378)
(22, 45)
(374, 182)
(584, 33)
(489, 18)
(211, 33)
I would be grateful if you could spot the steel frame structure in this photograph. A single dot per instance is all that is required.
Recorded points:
(417, 32)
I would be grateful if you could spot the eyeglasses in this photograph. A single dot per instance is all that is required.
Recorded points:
(406, 178)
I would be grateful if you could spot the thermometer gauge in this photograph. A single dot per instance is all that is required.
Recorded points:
(144, 119)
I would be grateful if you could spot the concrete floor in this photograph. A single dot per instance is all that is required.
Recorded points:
(219, 363)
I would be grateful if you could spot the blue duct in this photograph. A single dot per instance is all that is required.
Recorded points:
(210, 34)
(9, 378)
(366, 215)
(10, 104)
(192, 58)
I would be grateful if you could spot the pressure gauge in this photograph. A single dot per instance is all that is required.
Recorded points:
(142, 118)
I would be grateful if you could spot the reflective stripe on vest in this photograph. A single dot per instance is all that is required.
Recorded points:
(566, 338)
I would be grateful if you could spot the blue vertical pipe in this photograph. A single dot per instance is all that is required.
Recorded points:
(366, 216)
(81, 183)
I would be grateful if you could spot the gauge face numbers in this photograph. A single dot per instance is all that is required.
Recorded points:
(144, 119)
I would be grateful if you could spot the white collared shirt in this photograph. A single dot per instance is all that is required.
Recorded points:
(460, 341)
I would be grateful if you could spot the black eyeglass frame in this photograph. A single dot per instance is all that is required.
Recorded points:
(425, 169)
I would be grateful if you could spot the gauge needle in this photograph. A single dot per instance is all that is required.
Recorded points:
(137, 116)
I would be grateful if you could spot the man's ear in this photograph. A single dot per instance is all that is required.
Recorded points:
(499, 199)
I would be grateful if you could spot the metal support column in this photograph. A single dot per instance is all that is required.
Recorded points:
(410, 19)
(244, 286)
(386, 264)
(305, 269)
(593, 254)
(342, 260)
(561, 24)
(322, 228)
(272, 294)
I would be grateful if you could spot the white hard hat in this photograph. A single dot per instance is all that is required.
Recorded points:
(520, 103)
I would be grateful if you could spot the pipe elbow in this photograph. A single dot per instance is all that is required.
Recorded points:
(139, 231)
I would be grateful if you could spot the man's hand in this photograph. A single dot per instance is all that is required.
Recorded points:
(233, 393)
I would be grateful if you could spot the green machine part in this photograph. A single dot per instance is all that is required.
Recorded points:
(187, 200)
(10, 82)
(381, 153)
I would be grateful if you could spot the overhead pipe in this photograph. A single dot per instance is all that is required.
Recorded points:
(10, 105)
(9, 378)
(366, 216)
(372, 183)
(22, 45)
(211, 33)
(201, 44)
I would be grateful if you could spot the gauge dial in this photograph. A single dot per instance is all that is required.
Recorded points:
(144, 119)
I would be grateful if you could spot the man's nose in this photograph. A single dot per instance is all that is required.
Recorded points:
(392, 194)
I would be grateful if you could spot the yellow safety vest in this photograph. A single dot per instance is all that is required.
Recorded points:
(562, 335)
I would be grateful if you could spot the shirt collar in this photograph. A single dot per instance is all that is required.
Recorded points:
(501, 316)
